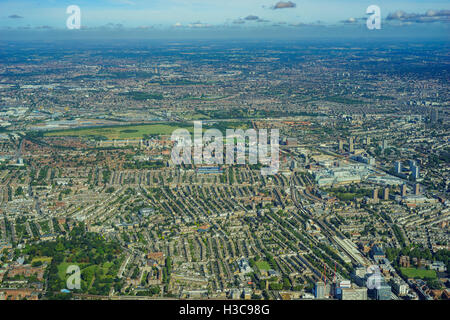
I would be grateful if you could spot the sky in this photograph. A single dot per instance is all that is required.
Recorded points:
(226, 17)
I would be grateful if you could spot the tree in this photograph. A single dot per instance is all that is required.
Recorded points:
(19, 192)
(434, 284)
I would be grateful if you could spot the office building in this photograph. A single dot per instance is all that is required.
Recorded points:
(360, 271)
(384, 145)
(404, 190)
(386, 194)
(434, 115)
(399, 287)
(341, 145)
(377, 253)
(383, 292)
(364, 159)
(319, 290)
(375, 195)
(415, 172)
(291, 142)
(293, 165)
(398, 167)
(209, 170)
(353, 294)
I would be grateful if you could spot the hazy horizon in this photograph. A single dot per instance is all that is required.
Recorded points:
(178, 19)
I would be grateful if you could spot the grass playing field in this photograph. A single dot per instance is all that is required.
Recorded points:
(262, 265)
(139, 131)
(418, 273)
(120, 132)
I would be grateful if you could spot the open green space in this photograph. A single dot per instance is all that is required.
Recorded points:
(343, 100)
(42, 259)
(140, 96)
(418, 273)
(99, 261)
(89, 273)
(121, 132)
(263, 265)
